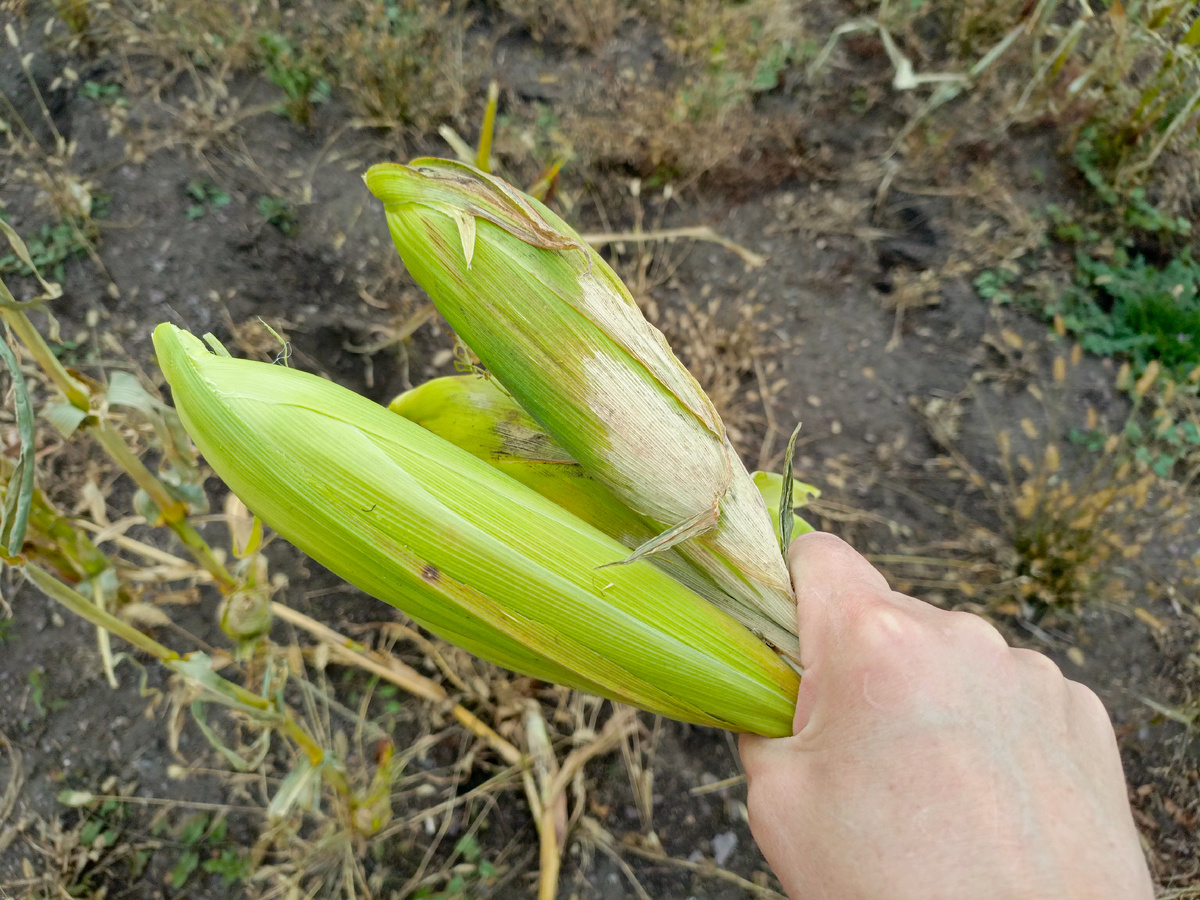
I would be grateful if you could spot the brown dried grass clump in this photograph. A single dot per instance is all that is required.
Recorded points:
(1071, 526)
(406, 63)
(701, 115)
(587, 26)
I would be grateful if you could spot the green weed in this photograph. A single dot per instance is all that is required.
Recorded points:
(297, 72)
(206, 196)
(50, 249)
(231, 865)
(1131, 209)
(105, 94)
(104, 824)
(1117, 303)
(1120, 305)
(105, 834)
(1125, 306)
(279, 212)
(37, 695)
(205, 846)
(1166, 436)
(998, 285)
(471, 878)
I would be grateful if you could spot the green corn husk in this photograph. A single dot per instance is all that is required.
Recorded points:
(770, 487)
(475, 414)
(562, 334)
(467, 552)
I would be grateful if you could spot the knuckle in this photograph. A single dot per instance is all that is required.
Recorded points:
(821, 542)
(836, 562)
(880, 626)
(1089, 703)
(965, 625)
(1038, 663)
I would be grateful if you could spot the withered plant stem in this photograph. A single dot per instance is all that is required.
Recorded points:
(174, 513)
(28, 335)
(348, 651)
(85, 609)
(549, 856)
(397, 673)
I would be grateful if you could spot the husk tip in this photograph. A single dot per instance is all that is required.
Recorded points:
(177, 350)
(388, 180)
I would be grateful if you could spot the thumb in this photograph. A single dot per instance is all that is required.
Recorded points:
(761, 756)
(831, 580)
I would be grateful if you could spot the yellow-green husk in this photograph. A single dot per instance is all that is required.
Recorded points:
(558, 329)
(466, 551)
(475, 414)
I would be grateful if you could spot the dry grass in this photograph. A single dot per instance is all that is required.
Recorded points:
(587, 26)
(401, 63)
(1127, 78)
(701, 116)
(740, 50)
(1072, 526)
(220, 35)
(1141, 91)
(726, 351)
(405, 63)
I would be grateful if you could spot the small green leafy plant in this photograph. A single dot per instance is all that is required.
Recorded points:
(49, 251)
(37, 695)
(1120, 305)
(105, 824)
(1132, 209)
(300, 76)
(103, 93)
(469, 879)
(205, 847)
(278, 212)
(205, 196)
(1126, 306)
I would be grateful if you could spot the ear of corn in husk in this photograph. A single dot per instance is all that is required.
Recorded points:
(464, 550)
(562, 334)
(475, 414)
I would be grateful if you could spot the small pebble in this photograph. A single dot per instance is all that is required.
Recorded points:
(723, 845)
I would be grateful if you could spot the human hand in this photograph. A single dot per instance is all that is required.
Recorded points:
(930, 760)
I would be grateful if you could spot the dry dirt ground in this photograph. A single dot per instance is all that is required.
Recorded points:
(845, 337)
